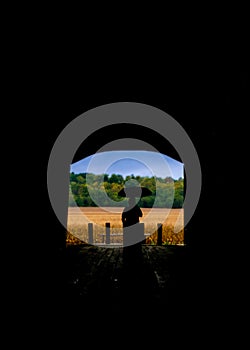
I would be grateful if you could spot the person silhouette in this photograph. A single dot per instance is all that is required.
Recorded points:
(131, 213)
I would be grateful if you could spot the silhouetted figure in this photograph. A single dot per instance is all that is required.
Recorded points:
(131, 214)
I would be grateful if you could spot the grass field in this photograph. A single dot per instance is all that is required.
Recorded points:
(78, 219)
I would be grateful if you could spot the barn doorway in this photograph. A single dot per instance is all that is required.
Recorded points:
(95, 208)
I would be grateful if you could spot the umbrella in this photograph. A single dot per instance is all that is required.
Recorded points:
(134, 191)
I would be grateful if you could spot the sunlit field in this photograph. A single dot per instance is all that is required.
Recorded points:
(172, 221)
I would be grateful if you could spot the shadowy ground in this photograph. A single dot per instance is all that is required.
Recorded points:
(136, 280)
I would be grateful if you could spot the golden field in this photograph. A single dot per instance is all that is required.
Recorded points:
(172, 221)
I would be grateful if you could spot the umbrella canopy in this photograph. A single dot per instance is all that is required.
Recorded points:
(134, 191)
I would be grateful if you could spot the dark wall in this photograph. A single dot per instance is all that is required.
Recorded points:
(124, 130)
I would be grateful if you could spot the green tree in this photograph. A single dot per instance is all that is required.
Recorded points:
(169, 192)
(80, 179)
(118, 179)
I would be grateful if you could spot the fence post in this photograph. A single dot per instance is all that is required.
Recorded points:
(90, 233)
(159, 234)
(107, 233)
(142, 233)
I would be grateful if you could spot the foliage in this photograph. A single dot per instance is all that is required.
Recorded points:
(86, 190)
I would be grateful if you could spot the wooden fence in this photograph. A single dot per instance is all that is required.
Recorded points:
(107, 236)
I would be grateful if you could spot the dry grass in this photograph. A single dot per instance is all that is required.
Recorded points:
(78, 219)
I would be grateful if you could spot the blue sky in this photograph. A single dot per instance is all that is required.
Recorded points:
(142, 163)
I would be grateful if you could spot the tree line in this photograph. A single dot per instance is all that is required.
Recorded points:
(86, 190)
